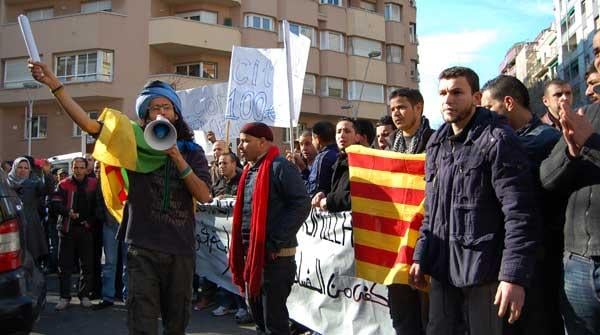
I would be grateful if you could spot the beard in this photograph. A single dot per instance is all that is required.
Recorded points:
(457, 115)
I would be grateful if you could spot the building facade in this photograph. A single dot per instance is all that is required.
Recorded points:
(104, 52)
(576, 21)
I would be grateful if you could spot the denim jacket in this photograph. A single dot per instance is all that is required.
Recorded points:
(481, 223)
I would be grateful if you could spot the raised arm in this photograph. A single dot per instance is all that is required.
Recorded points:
(42, 73)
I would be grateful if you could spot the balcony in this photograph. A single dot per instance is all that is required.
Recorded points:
(365, 24)
(99, 30)
(180, 82)
(357, 66)
(81, 91)
(226, 3)
(333, 18)
(175, 36)
(299, 11)
(399, 75)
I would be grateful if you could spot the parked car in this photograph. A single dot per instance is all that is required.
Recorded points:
(22, 282)
(64, 161)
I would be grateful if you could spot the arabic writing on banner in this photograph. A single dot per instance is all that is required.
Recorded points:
(326, 296)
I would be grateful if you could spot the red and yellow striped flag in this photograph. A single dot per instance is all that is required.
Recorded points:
(388, 194)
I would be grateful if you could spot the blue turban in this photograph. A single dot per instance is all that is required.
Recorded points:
(156, 89)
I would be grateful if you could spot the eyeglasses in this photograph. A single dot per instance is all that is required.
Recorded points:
(159, 108)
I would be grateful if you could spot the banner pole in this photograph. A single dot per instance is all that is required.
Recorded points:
(288, 57)
(227, 136)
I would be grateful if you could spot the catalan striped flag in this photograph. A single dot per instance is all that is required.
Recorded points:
(388, 195)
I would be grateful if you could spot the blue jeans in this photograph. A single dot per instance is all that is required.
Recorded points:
(109, 269)
(124, 247)
(580, 300)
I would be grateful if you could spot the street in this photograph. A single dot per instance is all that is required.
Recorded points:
(78, 320)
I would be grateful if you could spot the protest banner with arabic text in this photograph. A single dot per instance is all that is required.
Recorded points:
(326, 296)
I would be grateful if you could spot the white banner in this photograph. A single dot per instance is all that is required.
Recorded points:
(204, 109)
(258, 87)
(326, 296)
(213, 235)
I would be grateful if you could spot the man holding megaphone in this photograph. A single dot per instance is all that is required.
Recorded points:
(165, 170)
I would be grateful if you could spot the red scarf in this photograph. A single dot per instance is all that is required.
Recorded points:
(251, 272)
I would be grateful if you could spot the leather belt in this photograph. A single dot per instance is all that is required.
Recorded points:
(286, 252)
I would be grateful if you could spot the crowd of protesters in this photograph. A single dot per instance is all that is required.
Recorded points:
(509, 244)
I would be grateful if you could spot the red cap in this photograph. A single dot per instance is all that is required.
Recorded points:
(258, 129)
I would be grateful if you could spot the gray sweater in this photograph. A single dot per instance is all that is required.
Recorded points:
(580, 179)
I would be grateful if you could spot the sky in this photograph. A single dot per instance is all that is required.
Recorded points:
(472, 33)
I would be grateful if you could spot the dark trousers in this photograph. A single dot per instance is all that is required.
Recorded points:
(76, 245)
(269, 310)
(460, 311)
(405, 309)
(541, 313)
(97, 275)
(159, 284)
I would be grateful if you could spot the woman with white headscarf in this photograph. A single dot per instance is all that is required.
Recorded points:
(31, 191)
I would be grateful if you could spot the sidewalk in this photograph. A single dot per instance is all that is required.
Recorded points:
(113, 321)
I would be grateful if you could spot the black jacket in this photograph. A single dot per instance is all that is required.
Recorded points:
(338, 200)
(289, 204)
(580, 179)
(481, 223)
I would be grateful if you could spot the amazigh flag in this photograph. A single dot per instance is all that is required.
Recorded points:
(388, 195)
(121, 147)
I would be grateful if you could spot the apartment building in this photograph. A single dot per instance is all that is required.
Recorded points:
(576, 22)
(104, 52)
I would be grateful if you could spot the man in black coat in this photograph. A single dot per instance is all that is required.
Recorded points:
(480, 231)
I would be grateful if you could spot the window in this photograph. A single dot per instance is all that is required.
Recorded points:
(393, 12)
(77, 131)
(202, 16)
(412, 32)
(362, 47)
(85, 66)
(331, 2)
(310, 84)
(16, 73)
(414, 71)
(573, 70)
(332, 87)
(300, 29)
(389, 91)
(39, 127)
(40, 14)
(394, 53)
(571, 17)
(297, 131)
(96, 6)
(332, 41)
(570, 45)
(370, 92)
(204, 70)
(576, 93)
(366, 5)
(259, 22)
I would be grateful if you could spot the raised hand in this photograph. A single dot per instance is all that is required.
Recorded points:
(42, 73)
(576, 128)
